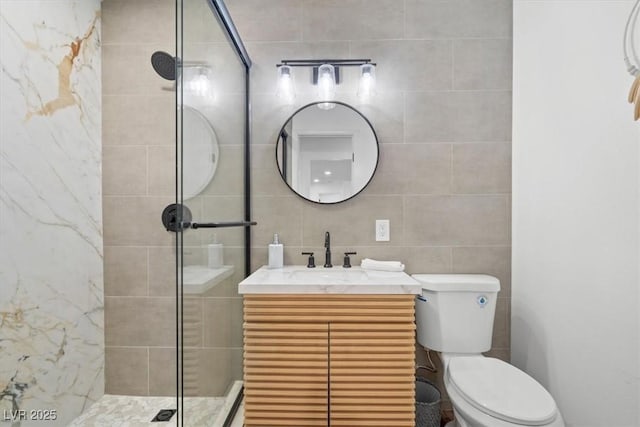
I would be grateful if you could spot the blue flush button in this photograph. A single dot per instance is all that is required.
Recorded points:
(482, 301)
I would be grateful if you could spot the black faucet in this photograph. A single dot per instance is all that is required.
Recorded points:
(327, 252)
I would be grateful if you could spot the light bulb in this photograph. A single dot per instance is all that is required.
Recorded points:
(198, 83)
(367, 85)
(326, 83)
(326, 105)
(286, 90)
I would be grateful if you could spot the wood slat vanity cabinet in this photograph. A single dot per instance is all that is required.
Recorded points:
(329, 360)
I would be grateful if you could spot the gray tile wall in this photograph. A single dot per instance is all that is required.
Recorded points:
(139, 255)
(443, 116)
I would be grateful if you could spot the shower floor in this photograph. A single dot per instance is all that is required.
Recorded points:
(138, 411)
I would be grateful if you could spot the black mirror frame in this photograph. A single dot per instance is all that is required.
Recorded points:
(282, 129)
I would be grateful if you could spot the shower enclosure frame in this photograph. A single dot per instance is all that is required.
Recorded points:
(221, 12)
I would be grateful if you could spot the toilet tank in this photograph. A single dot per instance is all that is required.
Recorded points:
(455, 312)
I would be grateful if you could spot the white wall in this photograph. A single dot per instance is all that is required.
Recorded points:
(575, 301)
(51, 275)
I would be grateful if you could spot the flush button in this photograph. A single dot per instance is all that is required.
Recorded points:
(482, 301)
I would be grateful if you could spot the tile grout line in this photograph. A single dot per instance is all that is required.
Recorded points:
(451, 174)
(148, 371)
(248, 43)
(148, 271)
(453, 65)
(202, 320)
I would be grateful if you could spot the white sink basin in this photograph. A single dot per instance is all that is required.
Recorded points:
(337, 280)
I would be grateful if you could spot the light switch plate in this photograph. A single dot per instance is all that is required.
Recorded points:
(382, 230)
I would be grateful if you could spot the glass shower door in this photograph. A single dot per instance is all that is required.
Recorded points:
(212, 256)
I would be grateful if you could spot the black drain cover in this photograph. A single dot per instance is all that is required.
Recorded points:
(164, 415)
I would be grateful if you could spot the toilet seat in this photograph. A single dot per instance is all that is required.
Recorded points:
(501, 390)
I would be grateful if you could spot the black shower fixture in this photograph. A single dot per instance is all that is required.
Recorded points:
(164, 64)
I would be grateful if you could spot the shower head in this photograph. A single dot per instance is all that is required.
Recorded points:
(164, 64)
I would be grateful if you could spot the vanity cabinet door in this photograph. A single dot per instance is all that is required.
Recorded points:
(285, 374)
(371, 374)
(314, 359)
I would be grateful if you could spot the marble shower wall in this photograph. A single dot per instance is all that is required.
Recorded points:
(51, 251)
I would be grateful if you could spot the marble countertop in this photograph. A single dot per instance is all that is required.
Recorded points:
(298, 279)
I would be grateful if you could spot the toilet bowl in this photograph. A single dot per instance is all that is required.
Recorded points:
(489, 392)
(454, 315)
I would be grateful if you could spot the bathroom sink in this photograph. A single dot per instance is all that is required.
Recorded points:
(337, 280)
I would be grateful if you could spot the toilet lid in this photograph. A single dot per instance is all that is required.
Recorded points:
(501, 390)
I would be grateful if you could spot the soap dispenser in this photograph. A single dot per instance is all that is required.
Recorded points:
(276, 253)
(215, 253)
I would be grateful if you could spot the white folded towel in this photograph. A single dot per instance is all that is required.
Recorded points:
(372, 264)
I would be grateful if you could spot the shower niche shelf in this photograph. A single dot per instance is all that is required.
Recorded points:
(198, 279)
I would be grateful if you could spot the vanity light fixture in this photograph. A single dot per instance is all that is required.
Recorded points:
(286, 89)
(326, 86)
(326, 76)
(367, 84)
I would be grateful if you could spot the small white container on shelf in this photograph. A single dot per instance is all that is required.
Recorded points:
(215, 254)
(276, 253)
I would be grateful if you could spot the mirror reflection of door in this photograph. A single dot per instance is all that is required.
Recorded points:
(324, 166)
(327, 155)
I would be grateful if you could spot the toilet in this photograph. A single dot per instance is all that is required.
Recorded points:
(454, 315)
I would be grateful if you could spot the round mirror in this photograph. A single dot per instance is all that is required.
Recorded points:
(327, 152)
(200, 152)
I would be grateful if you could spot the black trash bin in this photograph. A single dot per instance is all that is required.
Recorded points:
(427, 403)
